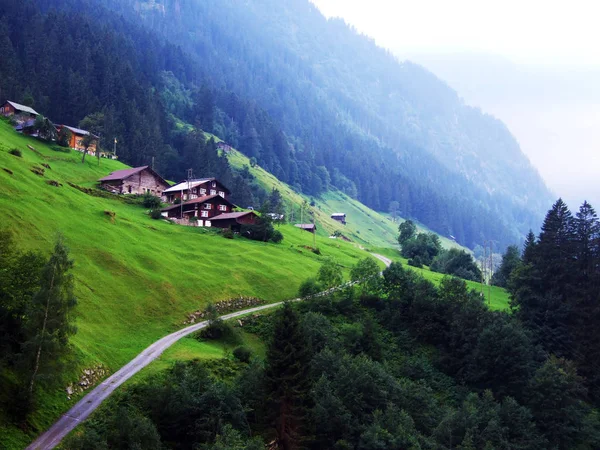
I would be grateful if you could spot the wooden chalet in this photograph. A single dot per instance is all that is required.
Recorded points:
(20, 111)
(202, 209)
(340, 217)
(197, 188)
(310, 227)
(234, 220)
(138, 180)
(76, 141)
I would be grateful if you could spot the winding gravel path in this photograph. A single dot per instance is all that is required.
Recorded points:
(84, 407)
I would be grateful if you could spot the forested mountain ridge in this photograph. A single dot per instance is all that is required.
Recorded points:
(315, 103)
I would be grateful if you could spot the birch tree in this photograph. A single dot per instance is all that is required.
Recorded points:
(50, 318)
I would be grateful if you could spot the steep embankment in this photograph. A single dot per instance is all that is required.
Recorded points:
(136, 278)
(364, 225)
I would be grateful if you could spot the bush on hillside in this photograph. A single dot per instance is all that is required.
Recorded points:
(308, 288)
(227, 233)
(150, 201)
(242, 354)
(156, 214)
(415, 262)
(458, 263)
(16, 152)
(262, 230)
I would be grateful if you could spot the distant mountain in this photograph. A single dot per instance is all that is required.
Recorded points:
(554, 111)
(315, 103)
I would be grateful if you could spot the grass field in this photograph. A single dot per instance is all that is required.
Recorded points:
(364, 226)
(136, 278)
(496, 297)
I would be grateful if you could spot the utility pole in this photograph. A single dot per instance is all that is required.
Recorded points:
(115, 148)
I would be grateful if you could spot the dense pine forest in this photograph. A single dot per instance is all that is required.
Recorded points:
(395, 363)
(320, 107)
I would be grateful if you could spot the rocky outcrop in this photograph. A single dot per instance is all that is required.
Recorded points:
(89, 377)
(226, 306)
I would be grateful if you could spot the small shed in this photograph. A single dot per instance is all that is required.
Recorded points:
(340, 217)
(310, 227)
(235, 220)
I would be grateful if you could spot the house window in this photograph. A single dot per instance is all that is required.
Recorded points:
(222, 207)
(214, 184)
(203, 213)
(207, 206)
(129, 188)
(202, 191)
(213, 192)
(222, 194)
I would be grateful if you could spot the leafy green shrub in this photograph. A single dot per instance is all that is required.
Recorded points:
(415, 262)
(242, 354)
(16, 152)
(227, 233)
(276, 237)
(309, 288)
(150, 201)
(156, 214)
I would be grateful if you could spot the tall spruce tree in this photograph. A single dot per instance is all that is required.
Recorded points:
(287, 380)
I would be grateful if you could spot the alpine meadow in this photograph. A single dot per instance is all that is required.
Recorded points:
(247, 225)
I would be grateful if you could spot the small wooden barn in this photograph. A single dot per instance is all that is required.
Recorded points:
(340, 217)
(235, 220)
(310, 227)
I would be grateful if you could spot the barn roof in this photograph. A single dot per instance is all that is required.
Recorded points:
(126, 173)
(198, 200)
(338, 215)
(233, 215)
(79, 131)
(185, 184)
(122, 174)
(22, 108)
(306, 226)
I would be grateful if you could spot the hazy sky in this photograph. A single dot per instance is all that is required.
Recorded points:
(533, 64)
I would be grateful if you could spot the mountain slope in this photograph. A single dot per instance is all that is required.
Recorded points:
(307, 71)
(316, 104)
(136, 278)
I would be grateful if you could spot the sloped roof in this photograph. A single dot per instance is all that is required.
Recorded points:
(233, 215)
(306, 226)
(78, 131)
(126, 173)
(197, 200)
(184, 185)
(338, 215)
(22, 108)
(122, 174)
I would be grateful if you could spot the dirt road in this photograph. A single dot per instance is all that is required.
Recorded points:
(82, 409)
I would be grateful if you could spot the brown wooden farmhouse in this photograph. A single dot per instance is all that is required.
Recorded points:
(21, 111)
(76, 141)
(138, 180)
(193, 189)
(201, 209)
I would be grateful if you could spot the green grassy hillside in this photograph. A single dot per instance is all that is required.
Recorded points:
(136, 278)
(364, 226)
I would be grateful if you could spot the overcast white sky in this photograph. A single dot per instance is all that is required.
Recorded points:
(552, 47)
